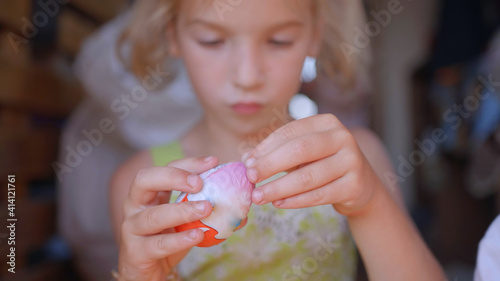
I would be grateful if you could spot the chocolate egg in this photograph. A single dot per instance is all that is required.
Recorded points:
(227, 188)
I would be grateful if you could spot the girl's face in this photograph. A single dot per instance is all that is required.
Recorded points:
(245, 60)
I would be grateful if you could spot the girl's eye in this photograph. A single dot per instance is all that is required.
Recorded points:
(280, 43)
(212, 43)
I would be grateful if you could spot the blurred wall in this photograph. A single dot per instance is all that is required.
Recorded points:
(399, 48)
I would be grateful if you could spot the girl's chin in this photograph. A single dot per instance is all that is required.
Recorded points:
(254, 128)
(253, 125)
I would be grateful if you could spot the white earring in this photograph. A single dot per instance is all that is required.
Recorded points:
(301, 106)
(309, 72)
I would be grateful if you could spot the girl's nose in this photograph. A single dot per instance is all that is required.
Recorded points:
(248, 69)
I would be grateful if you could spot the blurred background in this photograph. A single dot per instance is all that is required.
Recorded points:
(433, 98)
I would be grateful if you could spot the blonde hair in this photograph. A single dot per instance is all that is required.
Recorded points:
(147, 36)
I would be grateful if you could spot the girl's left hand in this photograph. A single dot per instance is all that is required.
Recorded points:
(330, 167)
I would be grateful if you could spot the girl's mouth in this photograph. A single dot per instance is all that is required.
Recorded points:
(246, 108)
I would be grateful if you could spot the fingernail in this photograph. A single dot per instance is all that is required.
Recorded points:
(279, 202)
(249, 162)
(193, 234)
(245, 156)
(208, 159)
(200, 207)
(257, 196)
(252, 175)
(193, 180)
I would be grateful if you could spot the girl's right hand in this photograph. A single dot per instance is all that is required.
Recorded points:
(147, 236)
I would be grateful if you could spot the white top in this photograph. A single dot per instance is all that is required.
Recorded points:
(488, 256)
(142, 117)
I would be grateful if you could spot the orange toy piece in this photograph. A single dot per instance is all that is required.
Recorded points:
(210, 233)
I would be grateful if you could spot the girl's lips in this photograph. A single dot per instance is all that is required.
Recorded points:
(246, 108)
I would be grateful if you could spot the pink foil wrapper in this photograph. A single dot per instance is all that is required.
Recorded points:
(230, 193)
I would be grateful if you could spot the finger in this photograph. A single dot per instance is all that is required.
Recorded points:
(156, 219)
(301, 150)
(335, 192)
(308, 177)
(290, 131)
(163, 245)
(195, 165)
(148, 182)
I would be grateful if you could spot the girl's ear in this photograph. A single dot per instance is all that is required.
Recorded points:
(315, 46)
(173, 43)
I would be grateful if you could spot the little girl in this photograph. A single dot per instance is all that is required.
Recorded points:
(244, 59)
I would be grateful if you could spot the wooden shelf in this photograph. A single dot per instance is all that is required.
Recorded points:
(35, 89)
(37, 94)
(100, 10)
(13, 11)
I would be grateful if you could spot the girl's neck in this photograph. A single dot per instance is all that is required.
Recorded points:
(210, 138)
